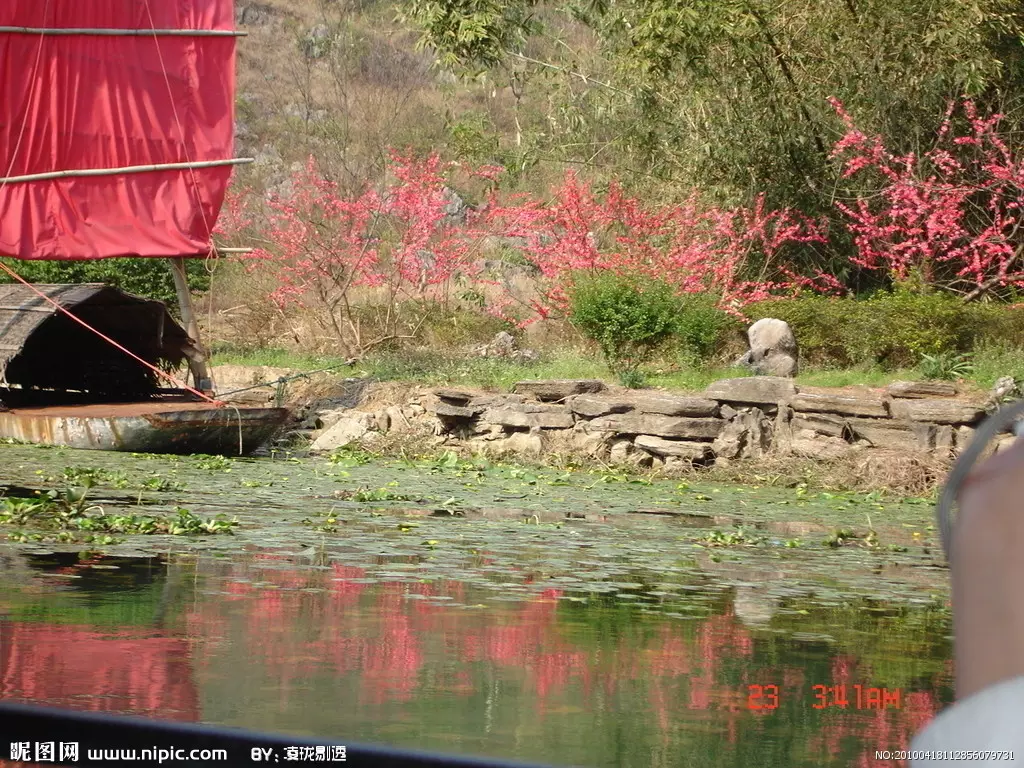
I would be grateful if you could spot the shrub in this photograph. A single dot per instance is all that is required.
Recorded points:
(628, 320)
(632, 379)
(701, 326)
(949, 213)
(891, 329)
(946, 365)
(143, 277)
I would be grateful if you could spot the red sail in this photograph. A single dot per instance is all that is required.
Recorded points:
(75, 102)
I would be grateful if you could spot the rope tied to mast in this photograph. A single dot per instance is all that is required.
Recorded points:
(80, 321)
(157, 371)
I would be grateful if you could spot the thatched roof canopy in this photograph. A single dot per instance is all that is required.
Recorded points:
(41, 347)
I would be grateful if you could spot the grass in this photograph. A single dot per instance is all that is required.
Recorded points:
(437, 369)
(991, 363)
(868, 377)
(226, 354)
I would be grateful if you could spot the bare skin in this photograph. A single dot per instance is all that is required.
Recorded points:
(988, 574)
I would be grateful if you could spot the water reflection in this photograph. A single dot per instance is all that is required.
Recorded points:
(132, 672)
(550, 676)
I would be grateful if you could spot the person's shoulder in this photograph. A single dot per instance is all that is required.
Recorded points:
(990, 722)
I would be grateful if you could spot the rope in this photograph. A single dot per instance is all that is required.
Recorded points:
(963, 466)
(284, 380)
(103, 336)
(31, 93)
(211, 255)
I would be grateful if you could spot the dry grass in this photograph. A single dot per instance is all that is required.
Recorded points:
(908, 474)
(877, 469)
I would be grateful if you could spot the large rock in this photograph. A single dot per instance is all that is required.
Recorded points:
(623, 452)
(397, 418)
(962, 437)
(502, 345)
(917, 389)
(820, 423)
(782, 432)
(746, 436)
(820, 447)
(447, 411)
(675, 405)
(591, 406)
(589, 442)
(1003, 443)
(944, 440)
(454, 396)
(530, 444)
(1004, 388)
(530, 416)
(346, 431)
(773, 349)
(938, 411)
(660, 426)
(815, 400)
(558, 389)
(683, 449)
(329, 417)
(254, 14)
(893, 434)
(752, 390)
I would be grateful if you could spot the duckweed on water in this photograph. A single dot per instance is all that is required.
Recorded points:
(738, 537)
(215, 463)
(56, 515)
(500, 525)
(378, 494)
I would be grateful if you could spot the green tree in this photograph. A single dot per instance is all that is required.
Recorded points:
(731, 95)
(144, 277)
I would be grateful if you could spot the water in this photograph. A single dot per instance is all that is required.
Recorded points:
(607, 639)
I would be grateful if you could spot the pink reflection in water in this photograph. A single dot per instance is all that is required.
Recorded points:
(295, 623)
(390, 638)
(131, 671)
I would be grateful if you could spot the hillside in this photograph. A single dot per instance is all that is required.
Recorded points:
(744, 151)
(344, 81)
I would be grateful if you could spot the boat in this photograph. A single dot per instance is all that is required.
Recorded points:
(117, 125)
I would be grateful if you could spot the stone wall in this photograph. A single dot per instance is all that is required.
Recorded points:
(743, 418)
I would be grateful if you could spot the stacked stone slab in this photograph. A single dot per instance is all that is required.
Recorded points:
(742, 418)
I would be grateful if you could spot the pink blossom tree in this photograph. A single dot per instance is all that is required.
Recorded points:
(339, 255)
(950, 217)
(738, 255)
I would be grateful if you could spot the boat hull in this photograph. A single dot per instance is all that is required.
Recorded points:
(181, 428)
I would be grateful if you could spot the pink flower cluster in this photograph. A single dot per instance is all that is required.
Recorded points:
(951, 213)
(692, 247)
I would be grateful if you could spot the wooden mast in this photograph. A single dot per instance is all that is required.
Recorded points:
(197, 358)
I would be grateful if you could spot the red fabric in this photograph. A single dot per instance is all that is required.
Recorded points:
(104, 102)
